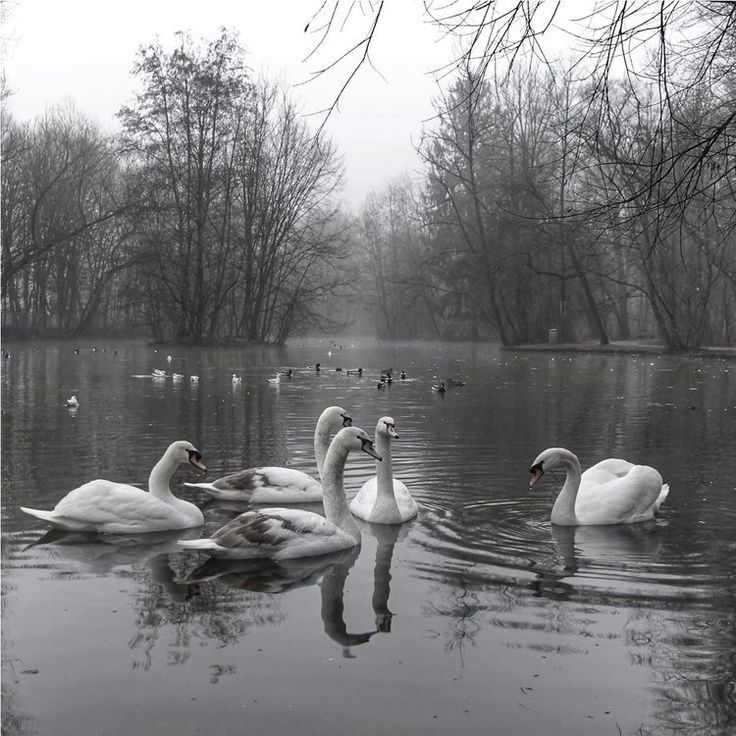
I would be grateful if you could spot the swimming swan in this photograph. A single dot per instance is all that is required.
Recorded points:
(117, 508)
(283, 533)
(270, 484)
(383, 499)
(612, 492)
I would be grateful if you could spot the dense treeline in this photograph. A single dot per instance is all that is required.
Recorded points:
(211, 216)
(551, 197)
(602, 207)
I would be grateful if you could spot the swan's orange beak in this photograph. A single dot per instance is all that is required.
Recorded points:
(537, 473)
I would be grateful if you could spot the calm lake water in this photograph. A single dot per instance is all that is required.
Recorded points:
(478, 617)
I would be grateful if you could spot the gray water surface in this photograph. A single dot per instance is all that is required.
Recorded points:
(477, 617)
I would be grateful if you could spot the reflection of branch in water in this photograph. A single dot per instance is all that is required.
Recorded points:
(463, 605)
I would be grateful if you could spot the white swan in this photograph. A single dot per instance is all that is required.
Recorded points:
(283, 533)
(270, 484)
(117, 508)
(384, 499)
(612, 492)
(72, 402)
(236, 379)
(276, 378)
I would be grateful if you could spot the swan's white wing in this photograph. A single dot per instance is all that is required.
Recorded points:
(102, 505)
(607, 470)
(265, 485)
(619, 499)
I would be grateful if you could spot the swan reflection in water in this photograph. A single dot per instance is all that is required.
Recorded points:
(614, 552)
(330, 572)
(102, 553)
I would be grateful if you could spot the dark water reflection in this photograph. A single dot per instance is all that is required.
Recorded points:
(478, 617)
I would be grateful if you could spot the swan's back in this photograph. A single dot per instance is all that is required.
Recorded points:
(618, 492)
(104, 506)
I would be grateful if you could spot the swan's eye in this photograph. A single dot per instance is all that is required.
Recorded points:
(537, 468)
(194, 454)
(347, 421)
(389, 425)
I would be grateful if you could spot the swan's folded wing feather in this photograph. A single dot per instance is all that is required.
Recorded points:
(632, 497)
(273, 527)
(101, 502)
(265, 477)
(607, 470)
(277, 477)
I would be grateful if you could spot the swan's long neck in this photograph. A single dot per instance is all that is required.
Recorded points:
(563, 512)
(158, 481)
(333, 495)
(321, 444)
(384, 473)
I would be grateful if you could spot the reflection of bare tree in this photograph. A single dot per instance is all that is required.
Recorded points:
(461, 607)
(14, 720)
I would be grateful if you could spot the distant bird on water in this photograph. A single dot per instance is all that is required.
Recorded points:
(440, 388)
(72, 402)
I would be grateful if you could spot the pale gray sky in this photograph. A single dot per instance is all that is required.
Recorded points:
(83, 50)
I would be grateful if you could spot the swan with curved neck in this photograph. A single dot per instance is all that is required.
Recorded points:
(117, 508)
(284, 533)
(271, 484)
(613, 491)
(384, 499)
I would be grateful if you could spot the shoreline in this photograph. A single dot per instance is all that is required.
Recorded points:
(623, 347)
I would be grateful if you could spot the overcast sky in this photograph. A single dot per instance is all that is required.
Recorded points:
(83, 50)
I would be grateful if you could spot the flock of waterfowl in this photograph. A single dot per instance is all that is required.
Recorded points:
(612, 492)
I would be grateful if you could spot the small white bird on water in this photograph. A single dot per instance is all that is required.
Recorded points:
(277, 378)
(72, 402)
(236, 379)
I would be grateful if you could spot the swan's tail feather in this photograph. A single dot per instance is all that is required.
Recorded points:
(203, 544)
(205, 486)
(662, 496)
(39, 514)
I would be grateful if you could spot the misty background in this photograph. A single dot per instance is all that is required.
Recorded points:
(544, 171)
